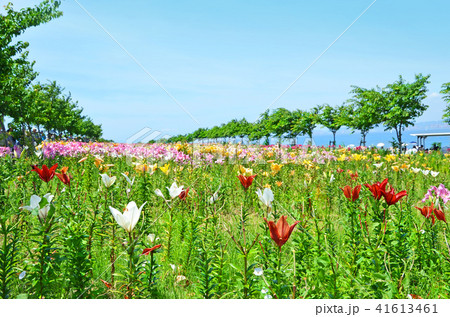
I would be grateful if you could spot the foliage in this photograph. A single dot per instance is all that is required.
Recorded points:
(28, 104)
(330, 118)
(403, 104)
(363, 111)
(213, 241)
(446, 92)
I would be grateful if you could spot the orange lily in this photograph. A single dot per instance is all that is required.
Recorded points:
(63, 176)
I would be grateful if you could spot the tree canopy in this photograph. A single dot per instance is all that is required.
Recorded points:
(446, 92)
(28, 103)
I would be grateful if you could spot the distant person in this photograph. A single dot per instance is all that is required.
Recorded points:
(3, 137)
(10, 141)
(412, 151)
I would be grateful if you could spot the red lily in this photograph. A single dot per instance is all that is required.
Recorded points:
(246, 181)
(65, 178)
(439, 214)
(147, 251)
(184, 194)
(391, 197)
(107, 284)
(46, 174)
(353, 175)
(280, 232)
(377, 189)
(351, 194)
(427, 212)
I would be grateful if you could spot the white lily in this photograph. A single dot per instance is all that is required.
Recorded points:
(159, 193)
(434, 174)
(332, 178)
(152, 238)
(378, 165)
(425, 172)
(130, 181)
(35, 204)
(415, 170)
(130, 216)
(266, 197)
(108, 181)
(174, 190)
(258, 271)
(215, 196)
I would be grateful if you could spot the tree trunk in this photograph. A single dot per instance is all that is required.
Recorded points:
(363, 138)
(399, 138)
(2, 122)
(334, 138)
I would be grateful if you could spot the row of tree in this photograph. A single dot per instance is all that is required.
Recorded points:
(31, 104)
(396, 106)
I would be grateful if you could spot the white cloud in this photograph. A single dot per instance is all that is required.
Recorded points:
(434, 95)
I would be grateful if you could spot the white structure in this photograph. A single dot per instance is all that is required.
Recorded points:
(421, 137)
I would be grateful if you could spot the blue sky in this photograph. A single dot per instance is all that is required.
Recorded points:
(230, 59)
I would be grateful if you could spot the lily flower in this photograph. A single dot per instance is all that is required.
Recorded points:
(281, 231)
(266, 197)
(46, 174)
(147, 251)
(439, 214)
(159, 193)
(152, 238)
(174, 190)
(183, 194)
(165, 168)
(431, 212)
(35, 205)
(107, 284)
(246, 181)
(63, 176)
(351, 194)
(17, 151)
(391, 197)
(434, 174)
(377, 189)
(130, 216)
(108, 181)
(131, 182)
(276, 167)
(215, 196)
(245, 171)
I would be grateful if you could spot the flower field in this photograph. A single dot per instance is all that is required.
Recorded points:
(104, 220)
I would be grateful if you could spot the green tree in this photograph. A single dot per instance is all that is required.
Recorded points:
(280, 122)
(446, 92)
(244, 129)
(363, 111)
(260, 128)
(329, 117)
(403, 104)
(16, 72)
(304, 122)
